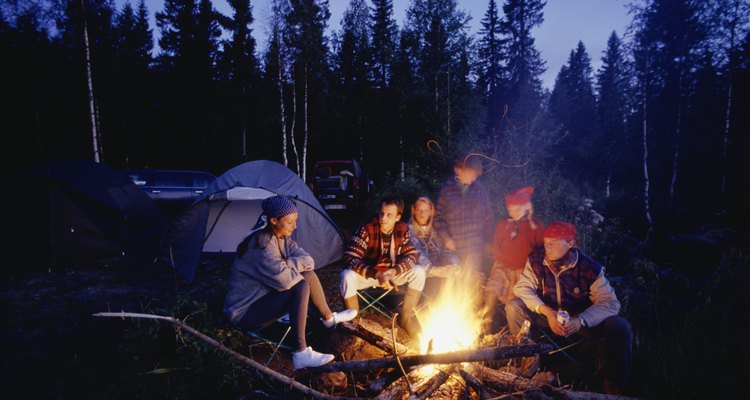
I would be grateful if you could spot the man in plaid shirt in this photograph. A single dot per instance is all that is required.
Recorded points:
(380, 253)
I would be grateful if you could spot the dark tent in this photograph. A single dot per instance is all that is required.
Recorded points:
(218, 221)
(81, 213)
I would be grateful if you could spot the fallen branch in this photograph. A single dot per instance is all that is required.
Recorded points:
(491, 353)
(248, 361)
(372, 338)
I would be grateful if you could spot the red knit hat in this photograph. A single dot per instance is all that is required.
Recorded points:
(519, 197)
(560, 230)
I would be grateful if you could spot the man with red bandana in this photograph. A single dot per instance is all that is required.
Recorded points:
(561, 277)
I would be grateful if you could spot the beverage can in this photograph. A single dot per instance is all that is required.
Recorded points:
(563, 317)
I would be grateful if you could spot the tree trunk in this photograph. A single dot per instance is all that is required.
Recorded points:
(244, 122)
(728, 113)
(647, 211)
(725, 141)
(90, 82)
(677, 136)
(490, 353)
(306, 134)
(282, 111)
(292, 135)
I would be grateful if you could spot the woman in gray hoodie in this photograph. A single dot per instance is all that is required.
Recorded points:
(272, 276)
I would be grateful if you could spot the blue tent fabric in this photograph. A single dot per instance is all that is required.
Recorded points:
(218, 220)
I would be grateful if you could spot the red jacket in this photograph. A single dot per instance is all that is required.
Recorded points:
(512, 253)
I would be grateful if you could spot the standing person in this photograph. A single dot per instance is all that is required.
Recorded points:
(515, 238)
(437, 261)
(464, 216)
(381, 253)
(272, 276)
(560, 277)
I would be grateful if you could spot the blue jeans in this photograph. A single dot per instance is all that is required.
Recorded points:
(615, 331)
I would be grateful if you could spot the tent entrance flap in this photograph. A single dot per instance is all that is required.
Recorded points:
(229, 223)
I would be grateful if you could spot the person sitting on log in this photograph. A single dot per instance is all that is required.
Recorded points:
(381, 253)
(272, 275)
(564, 289)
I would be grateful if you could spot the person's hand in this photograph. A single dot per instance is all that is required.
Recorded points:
(450, 244)
(557, 328)
(573, 326)
(385, 278)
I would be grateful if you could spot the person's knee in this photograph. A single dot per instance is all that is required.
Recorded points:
(514, 307)
(619, 330)
(348, 279)
(302, 288)
(418, 277)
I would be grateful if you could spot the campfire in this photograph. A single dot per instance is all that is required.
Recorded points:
(451, 356)
(450, 321)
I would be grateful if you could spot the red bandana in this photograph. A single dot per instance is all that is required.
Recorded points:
(560, 230)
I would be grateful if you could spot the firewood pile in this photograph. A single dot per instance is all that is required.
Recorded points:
(381, 368)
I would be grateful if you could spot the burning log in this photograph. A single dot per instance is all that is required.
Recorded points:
(402, 386)
(501, 380)
(491, 353)
(431, 386)
(475, 384)
(372, 338)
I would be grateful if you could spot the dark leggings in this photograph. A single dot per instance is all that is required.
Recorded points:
(293, 301)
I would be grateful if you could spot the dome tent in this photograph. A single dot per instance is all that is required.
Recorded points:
(82, 213)
(218, 221)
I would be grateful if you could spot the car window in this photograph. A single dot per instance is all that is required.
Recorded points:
(170, 179)
(202, 179)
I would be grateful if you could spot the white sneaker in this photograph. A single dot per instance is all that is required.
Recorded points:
(341, 316)
(310, 358)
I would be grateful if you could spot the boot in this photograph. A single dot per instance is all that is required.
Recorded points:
(408, 318)
(352, 303)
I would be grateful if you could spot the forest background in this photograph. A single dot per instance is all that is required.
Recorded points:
(646, 154)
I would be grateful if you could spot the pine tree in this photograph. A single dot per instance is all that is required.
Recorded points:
(440, 33)
(573, 106)
(491, 52)
(670, 36)
(353, 72)
(133, 45)
(306, 24)
(384, 33)
(613, 89)
(237, 64)
(523, 86)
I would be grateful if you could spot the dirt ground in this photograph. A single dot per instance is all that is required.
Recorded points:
(52, 346)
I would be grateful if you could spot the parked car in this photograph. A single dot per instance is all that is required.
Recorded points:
(340, 184)
(171, 186)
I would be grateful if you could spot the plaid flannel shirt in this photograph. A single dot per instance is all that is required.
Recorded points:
(364, 254)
